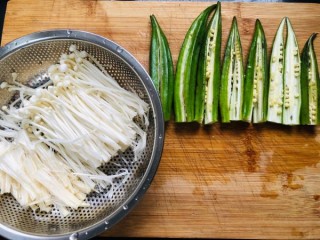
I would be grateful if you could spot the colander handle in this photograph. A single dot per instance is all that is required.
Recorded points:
(3, 8)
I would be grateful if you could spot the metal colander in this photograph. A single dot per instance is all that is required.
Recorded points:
(30, 57)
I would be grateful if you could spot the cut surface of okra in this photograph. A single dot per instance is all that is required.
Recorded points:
(291, 84)
(275, 98)
(285, 91)
(256, 83)
(231, 90)
(209, 73)
(310, 84)
(186, 70)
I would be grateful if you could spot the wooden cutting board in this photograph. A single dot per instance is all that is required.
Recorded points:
(220, 181)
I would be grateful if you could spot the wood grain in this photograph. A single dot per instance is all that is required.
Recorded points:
(221, 181)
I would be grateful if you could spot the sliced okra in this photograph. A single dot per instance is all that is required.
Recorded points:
(186, 72)
(161, 67)
(276, 70)
(231, 90)
(256, 83)
(291, 85)
(310, 84)
(208, 77)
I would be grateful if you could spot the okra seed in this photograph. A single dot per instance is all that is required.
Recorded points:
(312, 83)
(255, 100)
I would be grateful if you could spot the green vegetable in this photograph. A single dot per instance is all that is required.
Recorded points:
(185, 80)
(310, 84)
(161, 67)
(208, 79)
(292, 95)
(256, 83)
(275, 99)
(231, 91)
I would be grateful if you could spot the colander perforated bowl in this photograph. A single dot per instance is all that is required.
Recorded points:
(30, 57)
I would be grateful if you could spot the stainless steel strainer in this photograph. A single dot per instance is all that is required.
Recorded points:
(30, 57)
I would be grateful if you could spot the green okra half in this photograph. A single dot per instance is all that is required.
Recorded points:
(310, 85)
(255, 104)
(209, 73)
(276, 74)
(161, 67)
(232, 78)
(291, 85)
(186, 70)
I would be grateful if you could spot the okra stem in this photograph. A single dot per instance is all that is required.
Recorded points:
(275, 98)
(310, 84)
(161, 67)
(208, 78)
(256, 83)
(184, 93)
(231, 93)
(292, 95)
